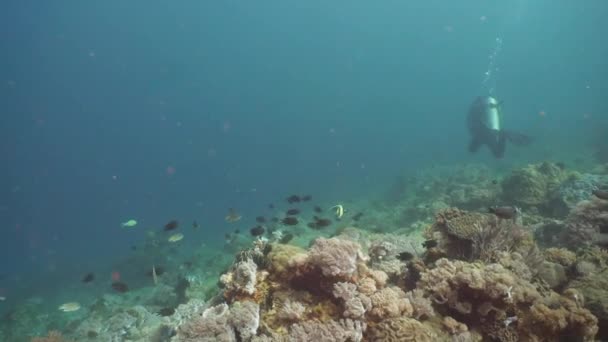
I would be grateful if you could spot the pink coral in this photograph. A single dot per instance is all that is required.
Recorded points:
(335, 257)
(355, 303)
(390, 302)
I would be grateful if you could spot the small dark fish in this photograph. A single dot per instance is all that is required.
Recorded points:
(313, 225)
(133, 247)
(494, 181)
(561, 165)
(260, 219)
(306, 198)
(271, 206)
(601, 194)
(357, 216)
(429, 244)
(293, 199)
(89, 277)
(275, 219)
(171, 225)
(292, 212)
(323, 222)
(166, 312)
(194, 225)
(405, 256)
(289, 221)
(227, 236)
(119, 286)
(257, 231)
(237, 231)
(286, 238)
(318, 209)
(504, 212)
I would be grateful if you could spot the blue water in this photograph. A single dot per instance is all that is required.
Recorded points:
(156, 110)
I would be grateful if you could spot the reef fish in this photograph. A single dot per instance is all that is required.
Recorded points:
(69, 307)
(505, 212)
(129, 224)
(484, 121)
(176, 237)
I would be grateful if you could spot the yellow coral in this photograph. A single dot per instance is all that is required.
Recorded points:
(281, 258)
(401, 329)
(560, 256)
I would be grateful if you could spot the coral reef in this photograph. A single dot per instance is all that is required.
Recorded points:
(587, 224)
(534, 186)
(470, 276)
(475, 236)
(489, 296)
(222, 323)
(335, 257)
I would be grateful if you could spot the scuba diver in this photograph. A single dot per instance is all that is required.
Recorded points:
(485, 127)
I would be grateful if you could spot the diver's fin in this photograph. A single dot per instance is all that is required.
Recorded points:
(518, 139)
(498, 146)
(474, 145)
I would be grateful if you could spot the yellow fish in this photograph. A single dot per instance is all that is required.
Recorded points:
(129, 224)
(176, 237)
(69, 307)
(339, 210)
